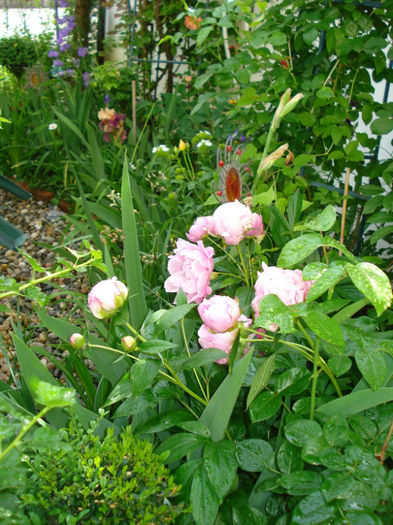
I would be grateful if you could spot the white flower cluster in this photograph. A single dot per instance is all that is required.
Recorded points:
(204, 142)
(160, 149)
(52, 126)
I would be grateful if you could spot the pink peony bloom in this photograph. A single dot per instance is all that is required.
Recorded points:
(219, 313)
(106, 297)
(208, 339)
(199, 229)
(77, 341)
(257, 226)
(231, 221)
(288, 285)
(190, 269)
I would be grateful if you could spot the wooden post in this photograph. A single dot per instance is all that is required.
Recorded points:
(134, 110)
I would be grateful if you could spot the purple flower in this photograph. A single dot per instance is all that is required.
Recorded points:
(107, 99)
(82, 51)
(53, 53)
(58, 63)
(64, 47)
(86, 78)
(77, 62)
(63, 3)
(62, 20)
(70, 72)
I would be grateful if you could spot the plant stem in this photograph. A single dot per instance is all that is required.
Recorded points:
(314, 378)
(135, 332)
(189, 355)
(24, 430)
(239, 251)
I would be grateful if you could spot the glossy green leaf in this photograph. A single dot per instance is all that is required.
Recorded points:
(299, 431)
(219, 409)
(299, 249)
(335, 431)
(372, 366)
(339, 364)
(142, 374)
(163, 421)
(293, 381)
(323, 221)
(300, 483)
(254, 455)
(328, 278)
(313, 510)
(261, 378)
(156, 346)
(264, 406)
(373, 283)
(273, 311)
(382, 126)
(204, 500)
(325, 327)
(356, 402)
(167, 318)
(201, 358)
(220, 465)
(180, 445)
(52, 395)
(289, 458)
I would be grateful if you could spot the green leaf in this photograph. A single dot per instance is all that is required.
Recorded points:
(221, 465)
(204, 500)
(254, 455)
(201, 358)
(373, 283)
(71, 126)
(132, 263)
(294, 208)
(381, 233)
(356, 402)
(155, 346)
(313, 510)
(325, 92)
(324, 327)
(329, 278)
(300, 483)
(219, 409)
(289, 458)
(203, 34)
(261, 378)
(142, 374)
(180, 445)
(274, 311)
(339, 364)
(303, 160)
(163, 421)
(264, 406)
(299, 431)
(52, 395)
(292, 381)
(372, 366)
(323, 221)
(298, 249)
(264, 198)
(167, 318)
(382, 126)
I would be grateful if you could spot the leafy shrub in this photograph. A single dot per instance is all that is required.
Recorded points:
(20, 51)
(109, 481)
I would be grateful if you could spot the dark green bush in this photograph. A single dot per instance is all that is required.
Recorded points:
(20, 51)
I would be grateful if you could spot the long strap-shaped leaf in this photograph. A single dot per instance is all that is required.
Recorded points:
(219, 409)
(133, 268)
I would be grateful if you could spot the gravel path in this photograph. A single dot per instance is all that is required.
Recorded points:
(42, 224)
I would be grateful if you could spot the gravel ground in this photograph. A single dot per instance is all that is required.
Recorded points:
(42, 224)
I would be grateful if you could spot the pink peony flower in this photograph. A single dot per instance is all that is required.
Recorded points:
(231, 221)
(77, 341)
(219, 313)
(224, 341)
(199, 229)
(106, 297)
(288, 285)
(256, 227)
(190, 269)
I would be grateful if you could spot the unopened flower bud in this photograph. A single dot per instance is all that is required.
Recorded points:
(128, 343)
(268, 162)
(291, 104)
(77, 341)
(106, 297)
(182, 145)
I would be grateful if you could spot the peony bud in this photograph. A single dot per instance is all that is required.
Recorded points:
(182, 145)
(128, 343)
(77, 341)
(106, 297)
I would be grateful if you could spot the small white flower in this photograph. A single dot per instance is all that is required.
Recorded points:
(132, 166)
(190, 10)
(160, 149)
(204, 142)
(52, 126)
(206, 132)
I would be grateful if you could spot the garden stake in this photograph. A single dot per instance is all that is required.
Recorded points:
(134, 110)
(347, 174)
(381, 455)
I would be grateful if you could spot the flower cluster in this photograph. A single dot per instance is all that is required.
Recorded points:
(162, 149)
(112, 124)
(62, 65)
(191, 268)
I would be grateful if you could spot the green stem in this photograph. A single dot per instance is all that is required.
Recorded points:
(189, 355)
(24, 430)
(135, 332)
(314, 378)
(239, 251)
